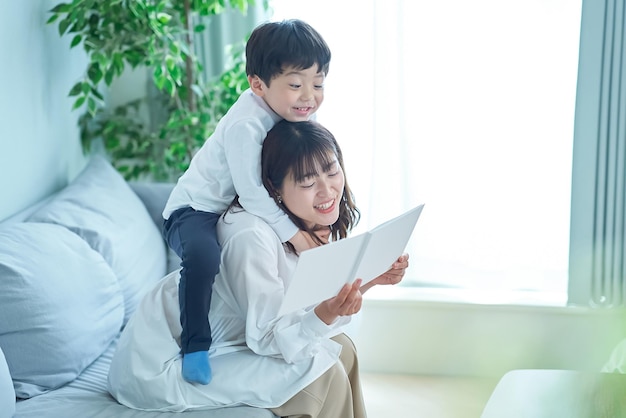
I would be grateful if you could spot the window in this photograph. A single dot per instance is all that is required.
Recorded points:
(468, 107)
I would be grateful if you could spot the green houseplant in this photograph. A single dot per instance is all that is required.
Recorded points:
(158, 35)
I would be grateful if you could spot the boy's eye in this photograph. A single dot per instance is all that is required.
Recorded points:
(296, 86)
(319, 86)
(307, 186)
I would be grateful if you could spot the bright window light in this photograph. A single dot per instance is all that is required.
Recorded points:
(467, 106)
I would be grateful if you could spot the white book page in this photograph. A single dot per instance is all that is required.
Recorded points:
(387, 242)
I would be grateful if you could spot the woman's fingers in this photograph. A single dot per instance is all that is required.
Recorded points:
(348, 300)
(402, 262)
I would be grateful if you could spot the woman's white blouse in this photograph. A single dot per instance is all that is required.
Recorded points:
(257, 358)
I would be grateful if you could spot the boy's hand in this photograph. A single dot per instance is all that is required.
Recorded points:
(302, 241)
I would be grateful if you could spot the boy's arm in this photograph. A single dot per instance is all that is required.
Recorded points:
(242, 148)
(302, 241)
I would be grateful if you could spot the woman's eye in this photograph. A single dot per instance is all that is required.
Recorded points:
(307, 186)
(319, 87)
(333, 174)
(295, 86)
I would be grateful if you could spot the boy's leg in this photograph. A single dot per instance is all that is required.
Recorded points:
(193, 236)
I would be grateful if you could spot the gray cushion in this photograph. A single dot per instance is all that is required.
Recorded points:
(7, 393)
(102, 209)
(60, 303)
(154, 196)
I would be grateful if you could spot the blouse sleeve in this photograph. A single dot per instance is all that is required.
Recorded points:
(253, 261)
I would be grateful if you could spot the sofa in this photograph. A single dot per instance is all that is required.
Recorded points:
(72, 270)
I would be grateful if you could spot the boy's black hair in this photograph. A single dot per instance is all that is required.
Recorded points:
(273, 46)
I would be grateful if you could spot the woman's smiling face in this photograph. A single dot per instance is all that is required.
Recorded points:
(316, 197)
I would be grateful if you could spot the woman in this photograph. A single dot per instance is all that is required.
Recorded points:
(300, 364)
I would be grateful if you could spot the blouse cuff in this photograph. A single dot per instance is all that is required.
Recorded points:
(318, 328)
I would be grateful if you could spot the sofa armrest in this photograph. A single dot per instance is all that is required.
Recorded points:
(154, 196)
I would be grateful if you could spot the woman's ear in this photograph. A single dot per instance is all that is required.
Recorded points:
(256, 85)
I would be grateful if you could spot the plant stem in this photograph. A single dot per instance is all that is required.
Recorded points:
(188, 61)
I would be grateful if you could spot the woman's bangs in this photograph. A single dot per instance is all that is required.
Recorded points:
(312, 159)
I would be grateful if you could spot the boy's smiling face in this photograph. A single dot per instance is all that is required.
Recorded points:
(294, 95)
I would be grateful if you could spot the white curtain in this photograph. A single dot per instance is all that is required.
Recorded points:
(468, 106)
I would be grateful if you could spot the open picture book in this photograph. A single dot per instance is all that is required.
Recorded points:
(321, 272)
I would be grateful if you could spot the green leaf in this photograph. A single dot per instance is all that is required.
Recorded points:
(76, 41)
(170, 62)
(63, 25)
(176, 75)
(79, 102)
(52, 19)
(94, 73)
(164, 18)
(76, 89)
(174, 48)
(109, 75)
(100, 58)
(199, 28)
(97, 94)
(160, 81)
(118, 63)
(61, 8)
(92, 107)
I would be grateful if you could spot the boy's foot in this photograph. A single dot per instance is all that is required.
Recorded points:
(196, 368)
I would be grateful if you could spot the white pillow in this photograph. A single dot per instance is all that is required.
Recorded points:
(60, 303)
(102, 209)
(7, 393)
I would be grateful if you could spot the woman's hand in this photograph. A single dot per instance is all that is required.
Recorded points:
(392, 276)
(347, 302)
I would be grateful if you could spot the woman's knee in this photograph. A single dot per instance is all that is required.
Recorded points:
(348, 355)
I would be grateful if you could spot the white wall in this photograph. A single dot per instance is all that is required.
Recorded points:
(39, 139)
(414, 334)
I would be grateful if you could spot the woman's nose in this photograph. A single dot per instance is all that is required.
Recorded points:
(325, 188)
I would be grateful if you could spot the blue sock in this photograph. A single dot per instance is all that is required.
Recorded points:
(196, 368)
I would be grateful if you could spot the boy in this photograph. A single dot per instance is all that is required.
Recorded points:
(286, 64)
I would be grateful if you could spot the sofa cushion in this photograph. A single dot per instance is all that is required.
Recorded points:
(60, 303)
(102, 209)
(7, 393)
(154, 196)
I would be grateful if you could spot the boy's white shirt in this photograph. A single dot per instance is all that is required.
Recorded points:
(229, 163)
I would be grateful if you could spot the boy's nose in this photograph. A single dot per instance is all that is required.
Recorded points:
(307, 93)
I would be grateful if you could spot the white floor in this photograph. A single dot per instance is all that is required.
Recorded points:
(410, 396)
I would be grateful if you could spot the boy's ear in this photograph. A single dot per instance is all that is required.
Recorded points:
(256, 85)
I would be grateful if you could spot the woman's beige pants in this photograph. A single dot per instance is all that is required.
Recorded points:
(335, 394)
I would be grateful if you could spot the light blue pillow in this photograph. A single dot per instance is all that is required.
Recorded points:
(102, 209)
(60, 305)
(7, 393)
